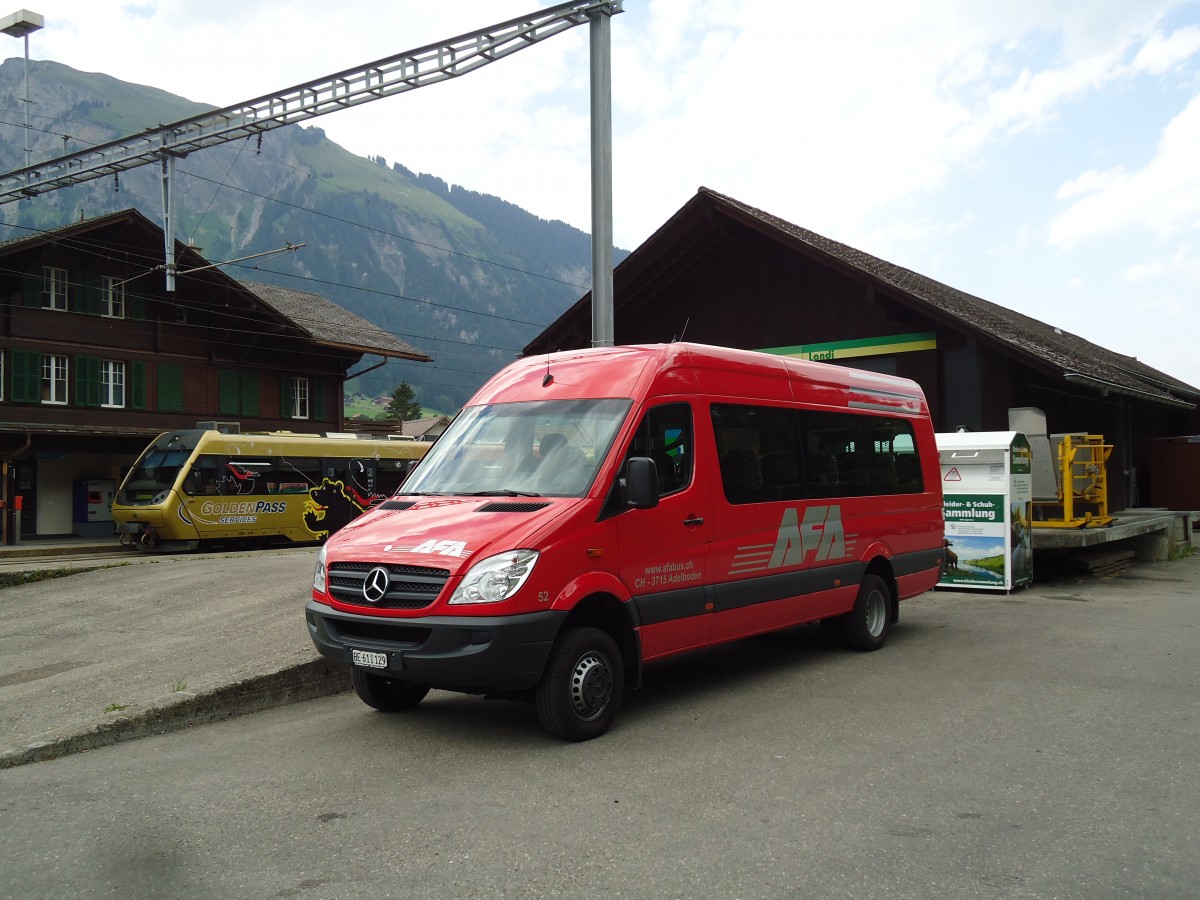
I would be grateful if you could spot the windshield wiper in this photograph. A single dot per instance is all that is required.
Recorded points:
(504, 492)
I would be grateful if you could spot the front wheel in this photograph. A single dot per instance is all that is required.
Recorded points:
(387, 694)
(579, 693)
(866, 626)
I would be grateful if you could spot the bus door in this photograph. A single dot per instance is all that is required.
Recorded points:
(662, 550)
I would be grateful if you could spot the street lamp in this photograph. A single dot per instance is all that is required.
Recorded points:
(23, 23)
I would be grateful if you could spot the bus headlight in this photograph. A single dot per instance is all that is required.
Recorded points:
(495, 578)
(319, 574)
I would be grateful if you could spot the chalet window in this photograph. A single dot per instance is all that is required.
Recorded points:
(112, 383)
(54, 378)
(301, 397)
(112, 297)
(2, 373)
(54, 288)
(299, 393)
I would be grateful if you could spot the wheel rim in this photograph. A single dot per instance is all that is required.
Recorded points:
(876, 613)
(591, 686)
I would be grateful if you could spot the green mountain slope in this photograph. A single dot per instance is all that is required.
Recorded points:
(466, 277)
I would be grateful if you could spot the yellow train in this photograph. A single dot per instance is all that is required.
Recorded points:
(194, 488)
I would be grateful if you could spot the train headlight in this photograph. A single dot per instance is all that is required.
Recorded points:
(319, 574)
(495, 578)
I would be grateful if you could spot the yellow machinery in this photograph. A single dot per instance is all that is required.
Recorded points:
(1082, 482)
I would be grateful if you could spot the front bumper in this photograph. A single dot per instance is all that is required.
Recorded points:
(469, 653)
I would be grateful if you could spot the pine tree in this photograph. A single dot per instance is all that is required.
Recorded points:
(404, 406)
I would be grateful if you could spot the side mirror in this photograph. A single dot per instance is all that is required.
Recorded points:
(641, 483)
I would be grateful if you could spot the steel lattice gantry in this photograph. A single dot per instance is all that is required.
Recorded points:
(405, 71)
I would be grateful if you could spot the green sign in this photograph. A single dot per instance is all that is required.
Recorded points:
(877, 346)
(987, 508)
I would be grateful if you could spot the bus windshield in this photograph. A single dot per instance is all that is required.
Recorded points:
(535, 448)
(155, 472)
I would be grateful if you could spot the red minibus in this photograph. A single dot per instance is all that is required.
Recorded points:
(590, 511)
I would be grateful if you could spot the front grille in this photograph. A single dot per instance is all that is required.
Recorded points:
(409, 587)
(370, 631)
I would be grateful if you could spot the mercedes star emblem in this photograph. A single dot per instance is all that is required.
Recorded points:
(375, 585)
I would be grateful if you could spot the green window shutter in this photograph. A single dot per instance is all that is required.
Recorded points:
(33, 290)
(135, 306)
(26, 376)
(137, 385)
(87, 381)
(316, 389)
(287, 396)
(229, 388)
(170, 387)
(88, 295)
(250, 394)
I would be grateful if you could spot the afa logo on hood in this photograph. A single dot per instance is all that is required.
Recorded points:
(435, 547)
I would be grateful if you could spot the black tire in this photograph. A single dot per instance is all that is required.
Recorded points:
(387, 694)
(580, 692)
(866, 626)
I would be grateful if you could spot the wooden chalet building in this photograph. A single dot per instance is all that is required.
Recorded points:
(97, 357)
(722, 272)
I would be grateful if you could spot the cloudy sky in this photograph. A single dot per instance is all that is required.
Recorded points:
(1042, 155)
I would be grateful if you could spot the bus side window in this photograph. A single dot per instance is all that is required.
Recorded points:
(759, 453)
(853, 455)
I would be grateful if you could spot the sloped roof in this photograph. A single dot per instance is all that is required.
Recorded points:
(697, 225)
(50, 235)
(327, 323)
(1076, 358)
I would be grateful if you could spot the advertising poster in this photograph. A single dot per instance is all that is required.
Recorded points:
(988, 506)
(976, 544)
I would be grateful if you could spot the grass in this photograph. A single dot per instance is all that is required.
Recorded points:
(31, 576)
(12, 579)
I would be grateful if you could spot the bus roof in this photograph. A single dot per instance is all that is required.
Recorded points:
(649, 370)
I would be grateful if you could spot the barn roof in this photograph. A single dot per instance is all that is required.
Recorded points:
(703, 221)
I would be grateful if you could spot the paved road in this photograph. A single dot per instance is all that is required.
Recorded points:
(1037, 745)
(126, 650)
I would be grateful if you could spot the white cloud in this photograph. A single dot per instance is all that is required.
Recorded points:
(1162, 53)
(1163, 196)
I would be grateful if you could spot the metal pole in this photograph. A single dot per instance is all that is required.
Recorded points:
(27, 101)
(602, 228)
(168, 193)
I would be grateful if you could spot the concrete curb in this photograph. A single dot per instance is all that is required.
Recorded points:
(33, 551)
(318, 677)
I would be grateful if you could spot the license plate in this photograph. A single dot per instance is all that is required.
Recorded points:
(368, 659)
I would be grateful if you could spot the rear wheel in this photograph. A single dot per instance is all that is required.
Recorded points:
(580, 691)
(387, 694)
(866, 626)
